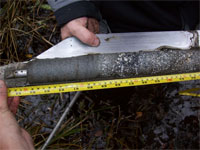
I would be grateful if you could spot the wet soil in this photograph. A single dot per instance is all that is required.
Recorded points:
(147, 117)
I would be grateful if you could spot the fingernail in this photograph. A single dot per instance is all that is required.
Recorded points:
(96, 42)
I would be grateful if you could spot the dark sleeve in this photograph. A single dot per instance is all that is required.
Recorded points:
(190, 14)
(75, 10)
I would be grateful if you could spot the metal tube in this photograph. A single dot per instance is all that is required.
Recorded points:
(61, 120)
(113, 66)
(17, 74)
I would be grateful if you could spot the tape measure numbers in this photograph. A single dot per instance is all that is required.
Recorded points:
(105, 84)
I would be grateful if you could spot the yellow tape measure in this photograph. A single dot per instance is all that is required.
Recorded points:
(105, 84)
(191, 92)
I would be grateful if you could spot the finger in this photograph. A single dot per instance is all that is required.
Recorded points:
(91, 28)
(65, 32)
(93, 25)
(96, 25)
(9, 100)
(28, 139)
(14, 105)
(86, 36)
(3, 96)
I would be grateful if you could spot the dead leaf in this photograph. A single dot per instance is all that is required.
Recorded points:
(138, 115)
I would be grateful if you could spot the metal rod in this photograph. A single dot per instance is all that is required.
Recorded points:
(61, 120)
(16, 74)
(113, 66)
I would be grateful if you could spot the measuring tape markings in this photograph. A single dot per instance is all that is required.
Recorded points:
(104, 84)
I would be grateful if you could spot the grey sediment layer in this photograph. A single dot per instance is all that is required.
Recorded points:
(113, 66)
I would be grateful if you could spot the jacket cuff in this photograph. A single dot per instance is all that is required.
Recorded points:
(76, 10)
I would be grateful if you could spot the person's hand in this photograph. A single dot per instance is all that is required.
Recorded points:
(11, 135)
(84, 29)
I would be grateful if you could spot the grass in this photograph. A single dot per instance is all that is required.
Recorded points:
(90, 122)
(22, 26)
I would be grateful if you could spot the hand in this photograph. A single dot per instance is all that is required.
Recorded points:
(11, 135)
(82, 28)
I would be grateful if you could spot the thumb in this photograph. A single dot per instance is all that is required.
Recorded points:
(86, 36)
(3, 96)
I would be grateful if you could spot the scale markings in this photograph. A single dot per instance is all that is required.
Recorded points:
(105, 84)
